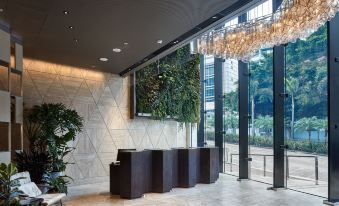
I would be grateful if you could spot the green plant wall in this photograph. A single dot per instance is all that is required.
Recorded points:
(170, 87)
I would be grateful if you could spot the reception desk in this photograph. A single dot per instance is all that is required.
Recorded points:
(188, 167)
(162, 171)
(209, 165)
(140, 172)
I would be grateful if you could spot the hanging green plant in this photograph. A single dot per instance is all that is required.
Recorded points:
(171, 87)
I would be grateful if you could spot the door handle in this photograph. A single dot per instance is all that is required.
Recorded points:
(285, 95)
(284, 146)
(248, 116)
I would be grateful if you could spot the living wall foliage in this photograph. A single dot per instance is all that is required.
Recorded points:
(170, 87)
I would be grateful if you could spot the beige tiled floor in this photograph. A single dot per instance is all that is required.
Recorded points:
(226, 191)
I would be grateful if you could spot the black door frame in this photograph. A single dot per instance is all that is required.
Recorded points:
(243, 120)
(279, 174)
(333, 110)
(218, 109)
(201, 127)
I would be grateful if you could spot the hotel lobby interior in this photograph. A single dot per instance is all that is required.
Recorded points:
(169, 102)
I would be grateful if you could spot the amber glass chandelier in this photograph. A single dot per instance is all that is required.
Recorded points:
(295, 19)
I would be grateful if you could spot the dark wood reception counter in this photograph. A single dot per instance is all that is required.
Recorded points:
(188, 167)
(139, 172)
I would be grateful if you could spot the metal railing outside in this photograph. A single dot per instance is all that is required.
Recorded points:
(316, 164)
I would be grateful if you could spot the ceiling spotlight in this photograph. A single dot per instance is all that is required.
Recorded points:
(159, 41)
(126, 43)
(70, 27)
(176, 42)
(214, 17)
(116, 50)
(65, 12)
(103, 59)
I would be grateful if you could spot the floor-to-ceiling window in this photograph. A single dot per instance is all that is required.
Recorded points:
(209, 100)
(261, 113)
(231, 116)
(306, 113)
(262, 9)
(305, 110)
(306, 126)
(231, 112)
(261, 106)
(262, 164)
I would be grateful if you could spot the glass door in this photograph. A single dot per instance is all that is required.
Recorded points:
(209, 101)
(231, 112)
(261, 116)
(306, 114)
(231, 117)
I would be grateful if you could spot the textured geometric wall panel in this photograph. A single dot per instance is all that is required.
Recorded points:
(102, 99)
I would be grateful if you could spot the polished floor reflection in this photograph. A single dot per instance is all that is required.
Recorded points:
(226, 191)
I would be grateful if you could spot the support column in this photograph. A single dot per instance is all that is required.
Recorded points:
(243, 120)
(218, 111)
(333, 111)
(278, 117)
(201, 127)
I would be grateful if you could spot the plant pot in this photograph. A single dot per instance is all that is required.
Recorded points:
(57, 174)
(44, 188)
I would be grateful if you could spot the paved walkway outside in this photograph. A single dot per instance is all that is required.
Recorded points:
(301, 169)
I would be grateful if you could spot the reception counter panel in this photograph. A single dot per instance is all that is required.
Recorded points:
(140, 172)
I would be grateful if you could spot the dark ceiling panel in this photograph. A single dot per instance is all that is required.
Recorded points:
(101, 25)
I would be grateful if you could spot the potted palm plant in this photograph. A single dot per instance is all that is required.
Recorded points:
(57, 125)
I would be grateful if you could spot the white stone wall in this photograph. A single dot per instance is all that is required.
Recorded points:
(103, 100)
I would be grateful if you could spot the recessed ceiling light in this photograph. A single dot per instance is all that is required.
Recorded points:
(70, 27)
(125, 43)
(159, 41)
(103, 59)
(214, 17)
(116, 50)
(76, 40)
(65, 12)
(176, 42)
